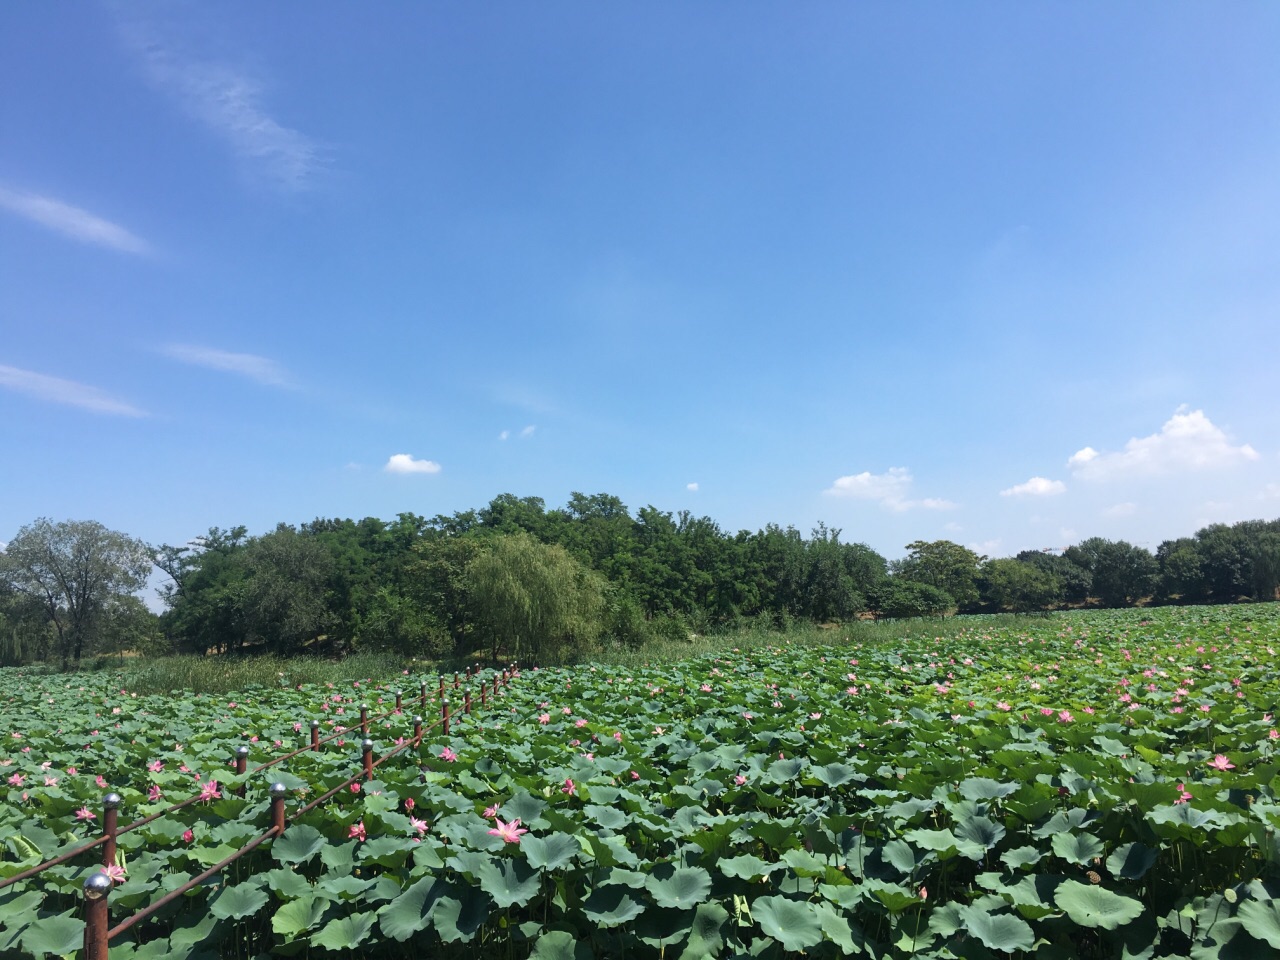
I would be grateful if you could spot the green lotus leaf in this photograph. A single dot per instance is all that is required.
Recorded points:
(411, 911)
(1077, 847)
(60, 934)
(795, 924)
(706, 933)
(560, 945)
(241, 900)
(981, 831)
(999, 931)
(612, 905)
(509, 882)
(834, 774)
(523, 806)
(299, 844)
(1261, 919)
(1132, 861)
(459, 912)
(608, 817)
(297, 916)
(344, 933)
(746, 867)
(984, 788)
(1020, 857)
(680, 887)
(550, 852)
(1093, 906)
(342, 886)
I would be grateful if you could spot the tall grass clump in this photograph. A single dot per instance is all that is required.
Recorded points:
(210, 675)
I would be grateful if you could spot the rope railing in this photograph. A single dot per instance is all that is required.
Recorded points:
(97, 887)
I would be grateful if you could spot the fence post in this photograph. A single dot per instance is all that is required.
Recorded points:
(444, 716)
(110, 816)
(278, 792)
(399, 695)
(315, 734)
(484, 695)
(466, 702)
(440, 692)
(417, 729)
(96, 888)
(242, 764)
(367, 747)
(456, 681)
(422, 687)
(364, 719)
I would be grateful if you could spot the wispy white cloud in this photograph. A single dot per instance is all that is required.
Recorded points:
(691, 487)
(68, 392)
(71, 221)
(228, 100)
(889, 489)
(504, 435)
(528, 431)
(259, 369)
(1035, 487)
(1187, 441)
(1120, 510)
(404, 463)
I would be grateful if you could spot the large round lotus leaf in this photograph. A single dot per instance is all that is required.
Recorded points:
(1077, 847)
(793, 923)
(1261, 919)
(559, 945)
(1092, 906)
(681, 887)
(300, 843)
(612, 905)
(999, 931)
(239, 901)
(1131, 861)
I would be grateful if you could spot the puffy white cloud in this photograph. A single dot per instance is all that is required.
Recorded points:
(56, 390)
(71, 221)
(1187, 441)
(260, 369)
(889, 489)
(505, 434)
(404, 463)
(528, 431)
(1035, 487)
(691, 487)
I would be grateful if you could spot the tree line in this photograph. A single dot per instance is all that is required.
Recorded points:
(517, 579)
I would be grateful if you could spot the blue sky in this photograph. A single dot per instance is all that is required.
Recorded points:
(1006, 274)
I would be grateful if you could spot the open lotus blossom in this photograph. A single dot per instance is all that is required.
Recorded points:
(115, 872)
(154, 793)
(1183, 794)
(449, 755)
(357, 831)
(84, 813)
(491, 812)
(569, 787)
(1220, 762)
(419, 825)
(509, 832)
(209, 792)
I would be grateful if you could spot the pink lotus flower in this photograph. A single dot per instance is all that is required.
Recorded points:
(410, 803)
(115, 872)
(510, 832)
(355, 788)
(579, 723)
(209, 792)
(155, 766)
(71, 771)
(17, 780)
(188, 836)
(84, 813)
(739, 779)
(491, 812)
(419, 825)
(1220, 762)
(50, 781)
(569, 787)
(357, 831)
(617, 735)
(634, 775)
(544, 718)
(449, 755)
(101, 782)
(154, 793)
(1183, 795)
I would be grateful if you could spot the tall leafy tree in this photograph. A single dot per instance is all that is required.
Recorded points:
(947, 566)
(76, 570)
(1121, 572)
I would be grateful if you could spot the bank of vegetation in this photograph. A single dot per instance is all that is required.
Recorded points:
(515, 579)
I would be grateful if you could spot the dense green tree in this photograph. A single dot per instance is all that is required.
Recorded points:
(284, 603)
(1010, 584)
(1074, 582)
(533, 599)
(907, 598)
(951, 568)
(75, 570)
(1121, 572)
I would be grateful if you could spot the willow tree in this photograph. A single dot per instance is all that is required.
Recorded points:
(533, 599)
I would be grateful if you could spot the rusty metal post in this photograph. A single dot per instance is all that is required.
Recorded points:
(367, 748)
(484, 696)
(242, 764)
(466, 702)
(110, 817)
(468, 671)
(96, 888)
(364, 719)
(423, 690)
(417, 729)
(456, 681)
(399, 695)
(440, 692)
(278, 792)
(444, 716)
(315, 734)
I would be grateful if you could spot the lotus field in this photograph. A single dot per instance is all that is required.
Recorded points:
(1082, 785)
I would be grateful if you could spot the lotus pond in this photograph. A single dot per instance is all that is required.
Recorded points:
(1096, 784)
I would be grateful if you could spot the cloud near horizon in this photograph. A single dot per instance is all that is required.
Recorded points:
(67, 392)
(1035, 487)
(1186, 441)
(405, 463)
(889, 489)
(259, 369)
(71, 221)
